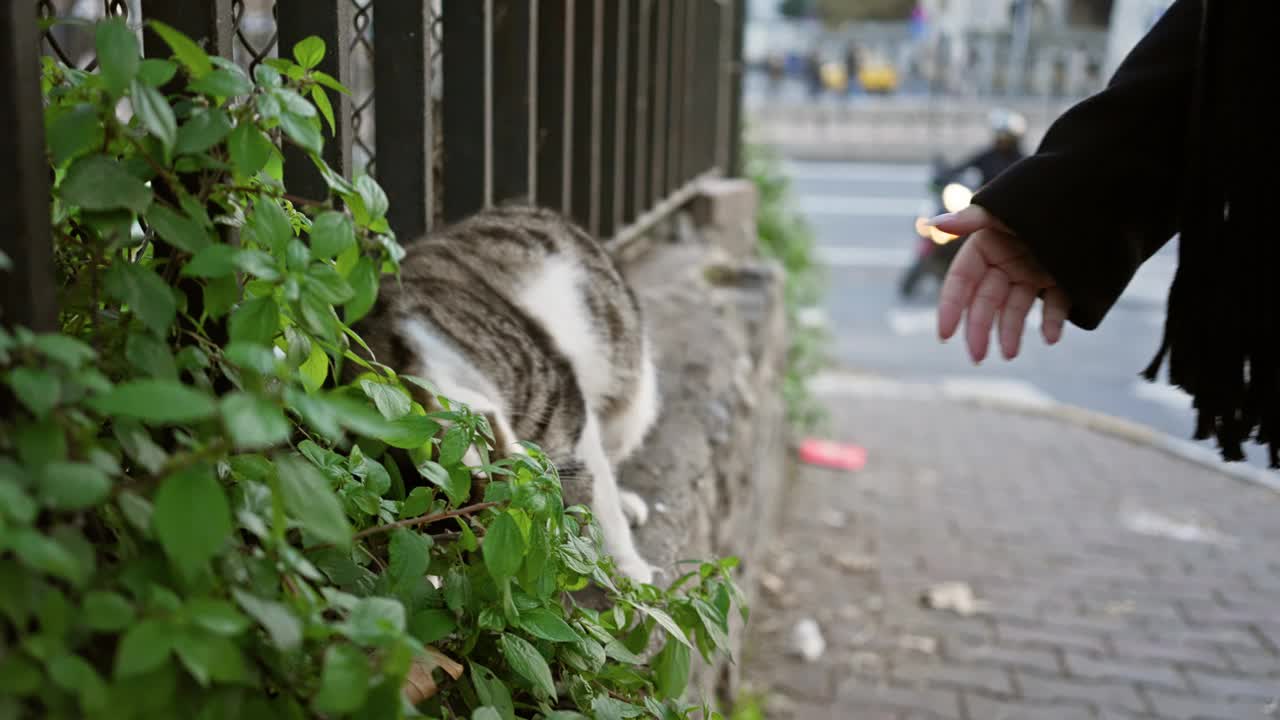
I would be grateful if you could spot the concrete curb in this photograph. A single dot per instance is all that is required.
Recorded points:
(852, 384)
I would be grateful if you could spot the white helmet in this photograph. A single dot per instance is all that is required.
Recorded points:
(1007, 122)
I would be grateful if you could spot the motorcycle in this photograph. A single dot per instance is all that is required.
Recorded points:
(936, 249)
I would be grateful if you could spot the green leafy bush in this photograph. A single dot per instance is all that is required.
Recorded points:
(786, 236)
(200, 516)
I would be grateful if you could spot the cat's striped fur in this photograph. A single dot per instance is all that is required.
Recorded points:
(522, 315)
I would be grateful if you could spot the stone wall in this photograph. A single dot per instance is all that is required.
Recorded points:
(712, 467)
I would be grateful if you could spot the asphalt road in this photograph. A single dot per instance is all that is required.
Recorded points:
(862, 215)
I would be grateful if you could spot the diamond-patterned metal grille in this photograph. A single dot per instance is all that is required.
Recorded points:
(72, 43)
(257, 32)
(362, 111)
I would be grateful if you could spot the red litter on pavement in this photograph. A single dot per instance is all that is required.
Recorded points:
(825, 453)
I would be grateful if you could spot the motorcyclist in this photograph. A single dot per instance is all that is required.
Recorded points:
(1007, 128)
(1005, 149)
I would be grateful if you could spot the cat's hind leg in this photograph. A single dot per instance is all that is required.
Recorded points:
(606, 505)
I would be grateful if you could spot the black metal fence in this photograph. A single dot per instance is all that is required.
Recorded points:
(608, 110)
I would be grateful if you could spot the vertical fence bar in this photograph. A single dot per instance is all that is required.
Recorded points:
(658, 145)
(208, 22)
(636, 148)
(402, 74)
(613, 117)
(724, 69)
(734, 135)
(554, 96)
(332, 21)
(467, 128)
(585, 132)
(675, 98)
(513, 99)
(710, 68)
(692, 99)
(27, 294)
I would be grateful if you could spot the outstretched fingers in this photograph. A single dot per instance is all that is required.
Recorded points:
(990, 298)
(958, 288)
(1013, 318)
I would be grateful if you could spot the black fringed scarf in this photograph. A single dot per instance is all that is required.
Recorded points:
(1220, 333)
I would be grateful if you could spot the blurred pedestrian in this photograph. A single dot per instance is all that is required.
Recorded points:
(1005, 149)
(813, 74)
(851, 66)
(1176, 143)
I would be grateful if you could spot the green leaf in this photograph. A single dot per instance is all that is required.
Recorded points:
(364, 282)
(250, 149)
(331, 233)
(188, 53)
(344, 682)
(42, 554)
(72, 486)
(547, 625)
(214, 261)
(390, 400)
(155, 113)
(566, 715)
(253, 422)
(315, 369)
(211, 658)
(19, 676)
(504, 547)
(375, 619)
(118, 54)
(223, 82)
(156, 72)
(155, 401)
(454, 445)
(138, 445)
(714, 624)
(256, 320)
(617, 651)
(220, 294)
(607, 708)
(527, 662)
(176, 229)
(457, 589)
(318, 316)
(671, 670)
(250, 356)
(66, 350)
(309, 499)
(375, 200)
(72, 133)
(667, 623)
(431, 626)
(192, 519)
(98, 182)
(294, 103)
(258, 264)
(284, 629)
(486, 713)
(16, 503)
(408, 432)
(38, 390)
(205, 129)
(143, 648)
(73, 674)
(321, 100)
(151, 357)
(309, 52)
(216, 616)
(270, 224)
(105, 611)
(417, 503)
(330, 82)
(328, 285)
(303, 131)
(147, 295)
(491, 691)
(410, 554)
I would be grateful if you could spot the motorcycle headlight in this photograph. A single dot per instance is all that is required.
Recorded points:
(922, 227)
(956, 197)
(939, 237)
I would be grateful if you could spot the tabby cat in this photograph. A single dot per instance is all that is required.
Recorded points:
(520, 314)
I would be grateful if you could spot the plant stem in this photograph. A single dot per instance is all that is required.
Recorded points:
(426, 519)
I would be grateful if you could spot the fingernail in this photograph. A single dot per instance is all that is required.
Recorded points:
(933, 221)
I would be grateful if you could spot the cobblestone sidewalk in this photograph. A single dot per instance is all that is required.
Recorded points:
(1111, 581)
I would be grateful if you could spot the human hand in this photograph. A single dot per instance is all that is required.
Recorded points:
(993, 275)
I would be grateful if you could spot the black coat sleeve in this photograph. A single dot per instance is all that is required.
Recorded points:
(1102, 192)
